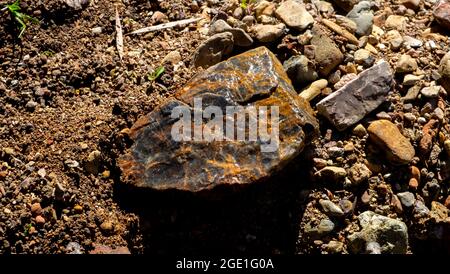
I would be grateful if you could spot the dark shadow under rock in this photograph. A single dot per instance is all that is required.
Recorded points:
(262, 218)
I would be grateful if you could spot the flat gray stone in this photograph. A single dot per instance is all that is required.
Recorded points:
(362, 15)
(213, 50)
(348, 105)
(300, 70)
(241, 38)
(407, 198)
(294, 15)
(331, 209)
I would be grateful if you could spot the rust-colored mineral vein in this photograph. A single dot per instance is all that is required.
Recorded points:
(254, 78)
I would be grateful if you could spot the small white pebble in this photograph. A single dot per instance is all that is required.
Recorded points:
(432, 44)
(381, 46)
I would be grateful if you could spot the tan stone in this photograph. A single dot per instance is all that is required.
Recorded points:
(388, 137)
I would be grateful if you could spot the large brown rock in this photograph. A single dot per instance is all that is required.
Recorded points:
(388, 137)
(254, 78)
(327, 54)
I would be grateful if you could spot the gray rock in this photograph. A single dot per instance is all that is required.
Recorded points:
(438, 113)
(379, 234)
(346, 23)
(406, 64)
(31, 105)
(411, 94)
(294, 15)
(213, 50)
(325, 226)
(348, 105)
(330, 208)
(324, 7)
(395, 39)
(363, 57)
(316, 231)
(300, 70)
(71, 163)
(238, 13)
(74, 248)
(249, 20)
(268, 33)
(412, 42)
(411, 79)
(327, 55)
(373, 248)
(383, 116)
(410, 117)
(431, 92)
(420, 210)
(335, 151)
(240, 37)
(77, 4)
(96, 30)
(362, 15)
(407, 199)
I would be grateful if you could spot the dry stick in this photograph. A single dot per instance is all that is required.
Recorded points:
(342, 32)
(119, 35)
(165, 26)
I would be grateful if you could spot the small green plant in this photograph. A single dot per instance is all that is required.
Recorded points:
(20, 17)
(244, 3)
(48, 53)
(27, 228)
(156, 73)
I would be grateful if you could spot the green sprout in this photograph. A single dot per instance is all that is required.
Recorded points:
(27, 228)
(48, 53)
(244, 3)
(156, 74)
(20, 18)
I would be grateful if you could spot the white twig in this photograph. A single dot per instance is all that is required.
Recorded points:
(119, 35)
(165, 26)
